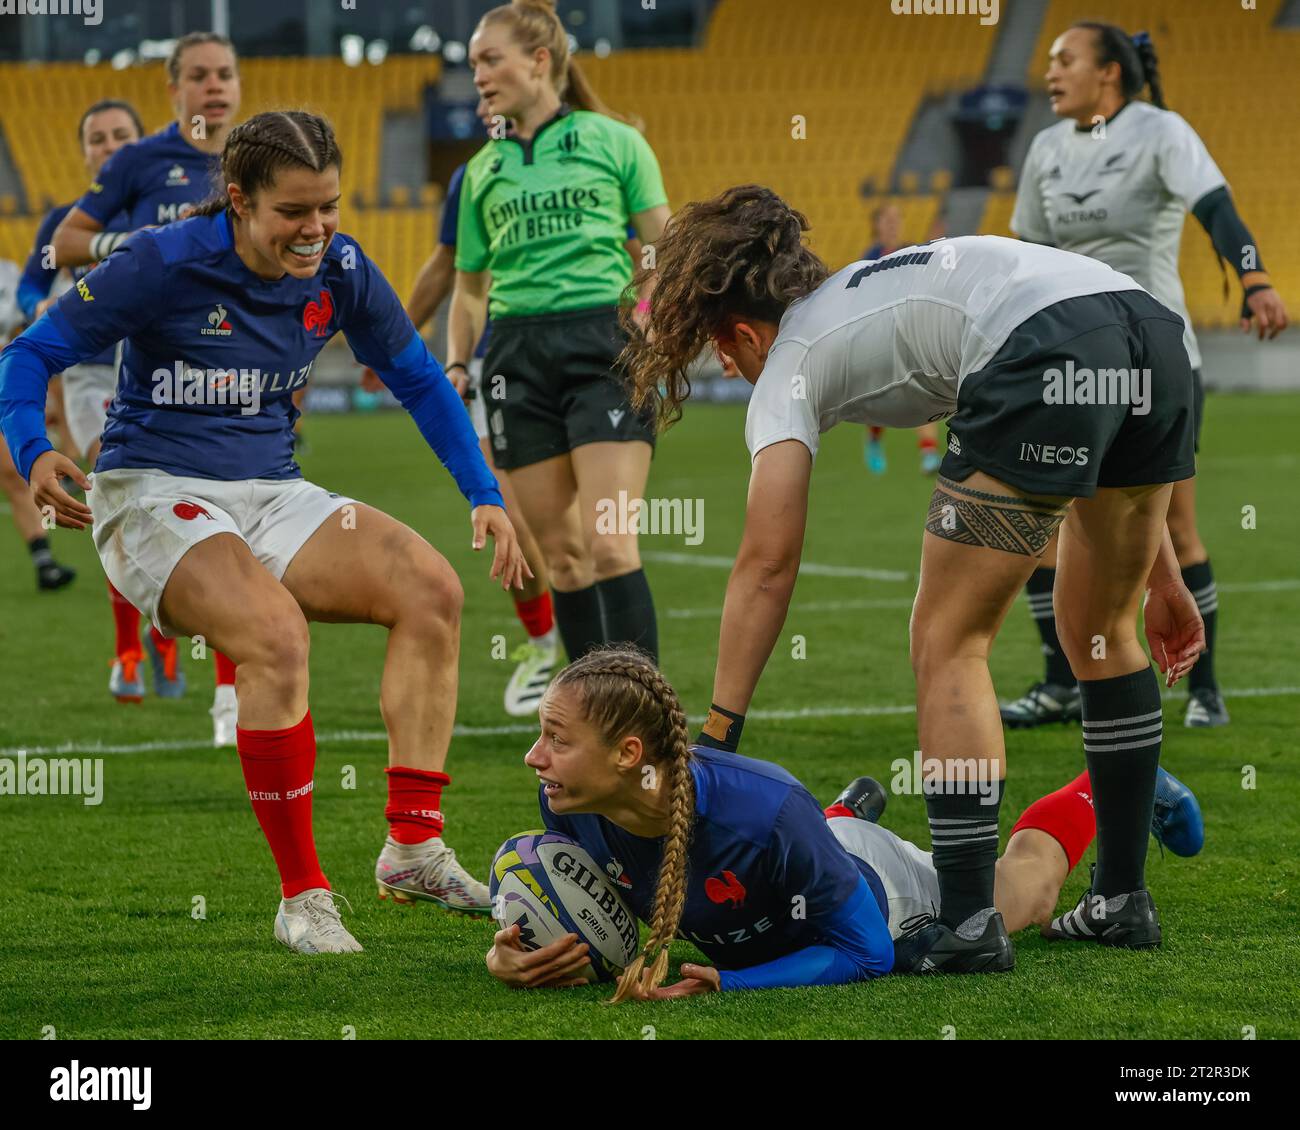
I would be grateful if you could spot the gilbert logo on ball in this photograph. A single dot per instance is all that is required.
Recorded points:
(549, 886)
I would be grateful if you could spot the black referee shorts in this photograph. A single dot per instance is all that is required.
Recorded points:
(550, 384)
(1094, 391)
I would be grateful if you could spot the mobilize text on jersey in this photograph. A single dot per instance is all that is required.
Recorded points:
(189, 385)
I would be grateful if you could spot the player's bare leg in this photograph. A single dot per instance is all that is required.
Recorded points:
(1108, 547)
(364, 567)
(535, 660)
(548, 500)
(1029, 879)
(981, 543)
(1205, 706)
(221, 592)
(603, 471)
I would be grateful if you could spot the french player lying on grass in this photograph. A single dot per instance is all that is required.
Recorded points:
(202, 518)
(1070, 393)
(735, 855)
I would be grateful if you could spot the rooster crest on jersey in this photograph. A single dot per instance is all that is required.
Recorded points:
(316, 316)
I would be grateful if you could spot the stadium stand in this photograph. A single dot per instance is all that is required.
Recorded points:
(1221, 43)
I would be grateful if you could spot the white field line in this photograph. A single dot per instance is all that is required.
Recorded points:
(359, 737)
(814, 569)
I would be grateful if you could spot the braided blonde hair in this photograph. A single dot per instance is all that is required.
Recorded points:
(622, 692)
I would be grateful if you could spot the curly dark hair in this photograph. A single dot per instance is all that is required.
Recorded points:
(740, 254)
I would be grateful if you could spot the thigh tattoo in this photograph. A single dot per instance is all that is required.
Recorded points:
(996, 521)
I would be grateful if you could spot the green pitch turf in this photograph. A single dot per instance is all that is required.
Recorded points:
(97, 918)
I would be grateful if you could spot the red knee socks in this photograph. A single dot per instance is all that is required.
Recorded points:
(414, 804)
(536, 615)
(278, 767)
(1066, 815)
(225, 669)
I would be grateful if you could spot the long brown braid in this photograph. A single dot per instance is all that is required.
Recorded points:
(740, 254)
(622, 692)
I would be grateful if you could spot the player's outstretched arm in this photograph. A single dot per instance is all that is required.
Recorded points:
(762, 580)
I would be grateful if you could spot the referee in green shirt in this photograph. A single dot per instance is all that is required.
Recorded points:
(540, 246)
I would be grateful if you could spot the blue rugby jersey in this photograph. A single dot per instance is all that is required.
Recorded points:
(154, 181)
(191, 313)
(772, 897)
(38, 279)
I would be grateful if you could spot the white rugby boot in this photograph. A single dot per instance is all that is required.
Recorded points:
(429, 871)
(309, 923)
(536, 660)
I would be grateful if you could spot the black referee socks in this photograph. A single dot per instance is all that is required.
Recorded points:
(1122, 728)
(1039, 591)
(1200, 580)
(630, 611)
(964, 839)
(616, 610)
(578, 616)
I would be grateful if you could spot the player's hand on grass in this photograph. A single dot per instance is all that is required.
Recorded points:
(370, 381)
(555, 966)
(1175, 630)
(508, 559)
(696, 979)
(1267, 311)
(46, 490)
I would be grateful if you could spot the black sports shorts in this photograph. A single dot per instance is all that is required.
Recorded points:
(1094, 391)
(550, 384)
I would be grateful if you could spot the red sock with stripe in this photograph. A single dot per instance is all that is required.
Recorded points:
(536, 615)
(1066, 815)
(278, 767)
(414, 803)
(126, 622)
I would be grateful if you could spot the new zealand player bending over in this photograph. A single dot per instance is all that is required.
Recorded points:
(1069, 384)
(735, 856)
(201, 516)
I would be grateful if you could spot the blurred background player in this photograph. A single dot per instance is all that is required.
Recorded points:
(535, 659)
(156, 181)
(1136, 179)
(551, 278)
(105, 127)
(887, 233)
(719, 834)
(202, 518)
(50, 575)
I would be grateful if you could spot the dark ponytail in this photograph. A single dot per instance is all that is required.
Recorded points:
(259, 148)
(1136, 56)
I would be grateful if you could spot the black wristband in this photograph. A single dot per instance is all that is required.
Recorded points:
(457, 365)
(1246, 311)
(721, 729)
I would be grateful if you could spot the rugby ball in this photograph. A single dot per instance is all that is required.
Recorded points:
(550, 886)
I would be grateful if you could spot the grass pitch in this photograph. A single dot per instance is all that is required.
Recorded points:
(97, 903)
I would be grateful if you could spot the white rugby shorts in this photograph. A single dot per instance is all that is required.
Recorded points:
(146, 520)
(906, 872)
